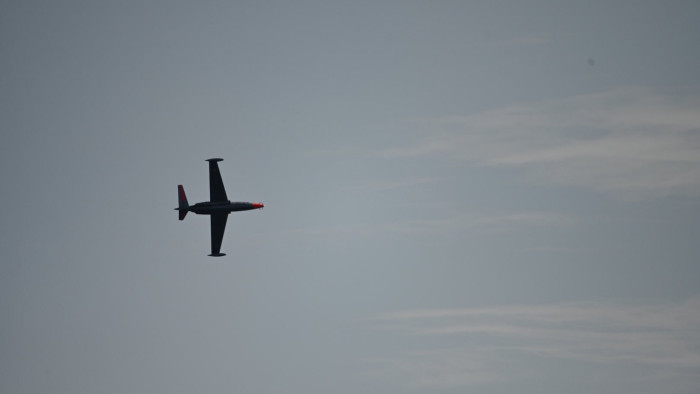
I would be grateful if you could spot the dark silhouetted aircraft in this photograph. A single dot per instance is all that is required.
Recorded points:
(218, 206)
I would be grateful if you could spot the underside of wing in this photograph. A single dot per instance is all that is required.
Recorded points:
(218, 226)
(217, 192)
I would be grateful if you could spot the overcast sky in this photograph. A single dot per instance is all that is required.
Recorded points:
(476, 196)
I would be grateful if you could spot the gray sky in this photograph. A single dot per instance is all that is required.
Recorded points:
(487, 197)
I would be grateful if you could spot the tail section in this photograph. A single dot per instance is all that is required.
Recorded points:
(182, 202)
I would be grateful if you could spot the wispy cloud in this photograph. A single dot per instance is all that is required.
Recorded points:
(487, 223)
(628, 140)
(495, 223)
(395, 184)
(660, 337)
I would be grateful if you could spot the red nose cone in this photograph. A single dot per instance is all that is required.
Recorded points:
(257, 205)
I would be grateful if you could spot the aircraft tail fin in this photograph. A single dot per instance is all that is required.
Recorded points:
(182, 202)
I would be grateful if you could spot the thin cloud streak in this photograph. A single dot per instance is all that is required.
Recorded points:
(395, 184)
(628, 140)
(664, 337)
(482, 223)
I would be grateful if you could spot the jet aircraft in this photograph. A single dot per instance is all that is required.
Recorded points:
(218, 206)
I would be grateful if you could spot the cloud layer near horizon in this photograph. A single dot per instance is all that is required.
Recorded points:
(625, 141)
(489, 343)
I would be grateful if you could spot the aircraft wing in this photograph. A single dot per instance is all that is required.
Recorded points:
(218, 225)
(216, 185)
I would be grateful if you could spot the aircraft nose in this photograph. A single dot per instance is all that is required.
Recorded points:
(257, 205)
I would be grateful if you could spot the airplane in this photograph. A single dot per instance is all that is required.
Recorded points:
(218, 206)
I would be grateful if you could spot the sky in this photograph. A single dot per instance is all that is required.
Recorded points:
(475, 196)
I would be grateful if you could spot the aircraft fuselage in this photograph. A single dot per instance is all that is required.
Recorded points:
(210, 208)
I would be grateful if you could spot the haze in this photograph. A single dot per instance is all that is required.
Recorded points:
(486, 196)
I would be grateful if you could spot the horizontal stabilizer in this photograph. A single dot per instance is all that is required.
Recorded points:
(217, 254)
